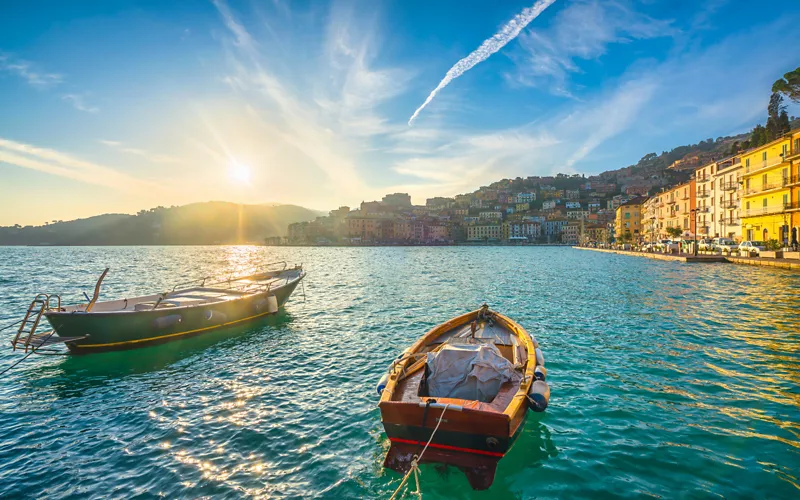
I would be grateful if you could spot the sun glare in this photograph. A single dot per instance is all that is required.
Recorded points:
(240, 173)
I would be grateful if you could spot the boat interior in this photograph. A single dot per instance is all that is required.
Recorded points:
(411, 385)
(218, 291)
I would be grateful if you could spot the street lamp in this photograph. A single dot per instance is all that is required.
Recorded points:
(652, 231)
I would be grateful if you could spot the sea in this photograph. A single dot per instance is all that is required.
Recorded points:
(667, 379)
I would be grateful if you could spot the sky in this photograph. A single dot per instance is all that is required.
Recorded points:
(113, 106)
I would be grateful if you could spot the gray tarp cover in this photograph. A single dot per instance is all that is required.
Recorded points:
(467, 371)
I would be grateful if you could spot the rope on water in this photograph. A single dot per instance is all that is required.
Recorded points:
(415, 461)
(12, 324)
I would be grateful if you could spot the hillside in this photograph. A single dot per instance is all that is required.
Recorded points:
(208, 223)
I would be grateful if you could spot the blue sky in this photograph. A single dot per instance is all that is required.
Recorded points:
(118, 105)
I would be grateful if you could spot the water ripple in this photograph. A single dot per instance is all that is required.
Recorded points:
(663, 375)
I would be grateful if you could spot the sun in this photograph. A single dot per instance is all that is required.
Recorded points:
(240, 173)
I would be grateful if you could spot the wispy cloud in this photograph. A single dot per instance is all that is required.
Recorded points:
(64, 165)
(78, 101)
(581, 31)
(28, 72)
(150, 156)
(487, 48)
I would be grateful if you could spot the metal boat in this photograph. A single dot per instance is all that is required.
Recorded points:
(188, 309)
(459, 396)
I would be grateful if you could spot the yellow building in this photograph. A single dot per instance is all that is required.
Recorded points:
(629, 220)
(768, 180)
(794, 183)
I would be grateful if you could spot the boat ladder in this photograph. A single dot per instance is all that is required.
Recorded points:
(26, 337)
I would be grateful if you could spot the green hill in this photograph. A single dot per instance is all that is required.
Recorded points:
(209, 223)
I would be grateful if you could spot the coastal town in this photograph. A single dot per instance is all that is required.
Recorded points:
(751, 195)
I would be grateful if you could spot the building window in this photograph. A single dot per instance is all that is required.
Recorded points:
(764, 204)
(747, 205)
(764, 156)
(747, 162)
(764, 180)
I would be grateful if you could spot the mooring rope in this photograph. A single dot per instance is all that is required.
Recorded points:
(415, 461)
(12, 324)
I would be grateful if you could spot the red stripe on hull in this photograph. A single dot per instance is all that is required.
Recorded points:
(448, 447)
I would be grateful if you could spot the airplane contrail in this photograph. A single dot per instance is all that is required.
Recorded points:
(487, 48)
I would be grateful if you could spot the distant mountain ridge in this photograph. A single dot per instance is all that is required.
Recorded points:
(207, 223)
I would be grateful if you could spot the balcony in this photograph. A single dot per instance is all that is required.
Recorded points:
(730, 204)
(775, 209)
(730, 222)
(686, 197)
(702, 229)
(792, 207)
(671, 202)
(703, 194)
(792, 155)
(756, 167)
(730, 186)
(793, 180)
(772, 186)
(703, 210)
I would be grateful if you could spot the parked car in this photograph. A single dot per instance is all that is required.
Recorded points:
(724, 245)
(749, 248)
(705, 244)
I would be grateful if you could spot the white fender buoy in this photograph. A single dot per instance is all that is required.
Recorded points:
(540, 372)
(167, 321)
(382, 383)
(539, 396)
(272, 304)
(539, 357)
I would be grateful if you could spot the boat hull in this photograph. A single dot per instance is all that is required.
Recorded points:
(131, 330)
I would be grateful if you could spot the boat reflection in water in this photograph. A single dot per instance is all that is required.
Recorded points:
(459, 396)
(129, 323)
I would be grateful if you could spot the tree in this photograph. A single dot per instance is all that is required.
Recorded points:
(758, 137)
(734, 148)
(675, 232)
(789, 85)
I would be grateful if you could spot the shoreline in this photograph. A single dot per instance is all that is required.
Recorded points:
(791, 264)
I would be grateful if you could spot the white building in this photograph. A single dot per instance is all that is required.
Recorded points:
(573, 204)
(491, 215)
(526, 197)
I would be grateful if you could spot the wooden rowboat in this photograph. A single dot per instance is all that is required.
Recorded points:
(128, 323)
(463, 389)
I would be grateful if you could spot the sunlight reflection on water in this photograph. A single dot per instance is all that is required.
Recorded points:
(662, 374)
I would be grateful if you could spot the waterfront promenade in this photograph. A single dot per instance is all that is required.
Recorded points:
(793, 264)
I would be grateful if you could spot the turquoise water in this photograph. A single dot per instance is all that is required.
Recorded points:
(667, 379)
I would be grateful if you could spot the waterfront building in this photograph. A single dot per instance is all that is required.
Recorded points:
(521, 231)
(794, 183)
(484, 232)
(628, 219)
(726, 199)
(571, 232)
(650, 219)
(768, 181)
(370, 228)
(679, 201)
(552, 228)
(403, 230)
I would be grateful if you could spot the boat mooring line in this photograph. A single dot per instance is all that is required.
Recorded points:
(12, 324)
(33, 350)
(417, 458)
